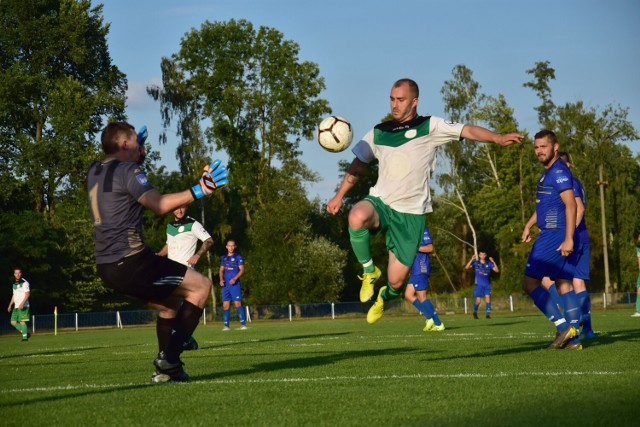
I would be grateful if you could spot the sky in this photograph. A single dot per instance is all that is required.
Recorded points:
(363, 46)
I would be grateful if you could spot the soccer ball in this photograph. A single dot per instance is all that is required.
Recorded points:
(334, 134)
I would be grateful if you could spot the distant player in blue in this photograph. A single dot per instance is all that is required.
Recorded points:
(555, 216)
(231, 269)
(482, 269)
(581, 257)
(416, 291)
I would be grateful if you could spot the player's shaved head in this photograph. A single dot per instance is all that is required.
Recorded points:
(111, 133)
(413, 86)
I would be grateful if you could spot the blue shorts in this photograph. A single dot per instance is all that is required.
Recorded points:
(545, 261)
(420, 282)
(481, 290)
(231, 292)
(581, 258)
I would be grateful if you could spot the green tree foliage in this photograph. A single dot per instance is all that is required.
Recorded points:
(57, 84)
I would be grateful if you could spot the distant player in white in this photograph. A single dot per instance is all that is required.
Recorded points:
(183, 235)
(20, 302)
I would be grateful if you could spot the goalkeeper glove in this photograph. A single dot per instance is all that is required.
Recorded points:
(141, 138)
(214, 176)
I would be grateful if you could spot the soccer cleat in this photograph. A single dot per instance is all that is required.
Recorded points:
(368, 279)
(243, 328)
(488, 316)
(437, 328)
(573, 344)
(226, 328)
(168, 371)
(562, 337)
(192, 344)
(588, 335)
(475, 315)
(377, 309)
(428, 325)
(636, 314)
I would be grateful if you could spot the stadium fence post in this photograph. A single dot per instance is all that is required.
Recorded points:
(604, 299)
(290, 318)
(511, 302)
(333, 311)
(465, 305)
(246, 308)
(204, 316)
(118, 320)
(77, 322)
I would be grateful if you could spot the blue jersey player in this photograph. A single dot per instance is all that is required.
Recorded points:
(231, 269)
(555, 216)
(482, 269)
(416, 291)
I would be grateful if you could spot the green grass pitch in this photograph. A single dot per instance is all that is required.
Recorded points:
(343, 372)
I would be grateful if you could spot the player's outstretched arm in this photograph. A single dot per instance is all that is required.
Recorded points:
(213, 177)
(355, 171)
(477, 133)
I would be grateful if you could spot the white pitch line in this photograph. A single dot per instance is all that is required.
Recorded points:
(324, 379)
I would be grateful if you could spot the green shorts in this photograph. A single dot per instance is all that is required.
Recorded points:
(403, 231)
(18, 315)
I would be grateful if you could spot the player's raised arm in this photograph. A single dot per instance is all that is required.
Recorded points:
(477, 133)
(351, 177)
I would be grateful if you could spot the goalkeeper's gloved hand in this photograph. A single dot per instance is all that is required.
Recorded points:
(214, 176)
(141, 138)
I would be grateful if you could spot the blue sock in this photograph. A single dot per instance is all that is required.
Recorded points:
(475, 307)
(428, 306)
(555, 296)
(488, 306)
(572, 309)
(585, 310)
(242, 316)
(226, 317)
(418, 305)
(543, 301)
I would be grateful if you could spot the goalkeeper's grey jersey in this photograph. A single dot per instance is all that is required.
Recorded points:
(407, 156)
(114, 189)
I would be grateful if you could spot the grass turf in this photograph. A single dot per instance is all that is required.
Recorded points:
(331, 372)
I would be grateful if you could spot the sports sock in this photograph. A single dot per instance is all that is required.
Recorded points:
(475, 307)
(361, 245)
(164, 328)
(417, 304)
(226, 317)
(543, 301)
(427, 305)
(638, 302)
(555, 296)
(572, 309)
(18, 327)
(584, 302)
(24, 329)
(389, 293)
(242, 316)
(488, 307)
(185, 323)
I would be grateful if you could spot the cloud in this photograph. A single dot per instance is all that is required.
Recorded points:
(137, 97)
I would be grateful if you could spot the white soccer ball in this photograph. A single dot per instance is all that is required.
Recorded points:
(334, 134)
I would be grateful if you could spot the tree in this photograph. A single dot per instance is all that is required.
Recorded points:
(57, 84)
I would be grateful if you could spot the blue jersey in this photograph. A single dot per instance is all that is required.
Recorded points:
(231, 265)
(422, 261)
(550, 209)
(482, 270)
(581, 229)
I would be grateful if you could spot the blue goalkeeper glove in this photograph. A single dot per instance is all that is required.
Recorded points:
(141, 138)
(214, 176)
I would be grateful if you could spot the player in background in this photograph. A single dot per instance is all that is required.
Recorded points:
(183, 234)
(20, 302)
(581, 258)
(231, 269)
(482, 269)
(118, 193)
(637, 313)
(398, 203)
(416, 291)
(555, 216)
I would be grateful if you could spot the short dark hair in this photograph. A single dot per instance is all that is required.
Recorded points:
(412, 85)
(564, 156)
(111, 133)
(546, 133)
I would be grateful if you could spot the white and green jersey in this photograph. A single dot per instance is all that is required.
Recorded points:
(407, 157)
(20, 290)
(182, 239)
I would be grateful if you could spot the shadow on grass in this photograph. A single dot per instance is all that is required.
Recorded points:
(308, 362)
(248, 340)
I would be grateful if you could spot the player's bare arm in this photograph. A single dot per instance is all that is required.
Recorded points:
(477, 133)
(162, 204)
(351, 177)
(193, 260)
(526, 233)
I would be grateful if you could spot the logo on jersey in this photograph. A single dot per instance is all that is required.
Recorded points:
(142, 179)
(410, 134)
(562, 179)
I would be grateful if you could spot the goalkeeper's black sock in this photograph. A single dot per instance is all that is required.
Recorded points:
(164, 328)
(185, 323)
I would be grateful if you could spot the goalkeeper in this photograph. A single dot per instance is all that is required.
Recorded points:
(119, 192)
